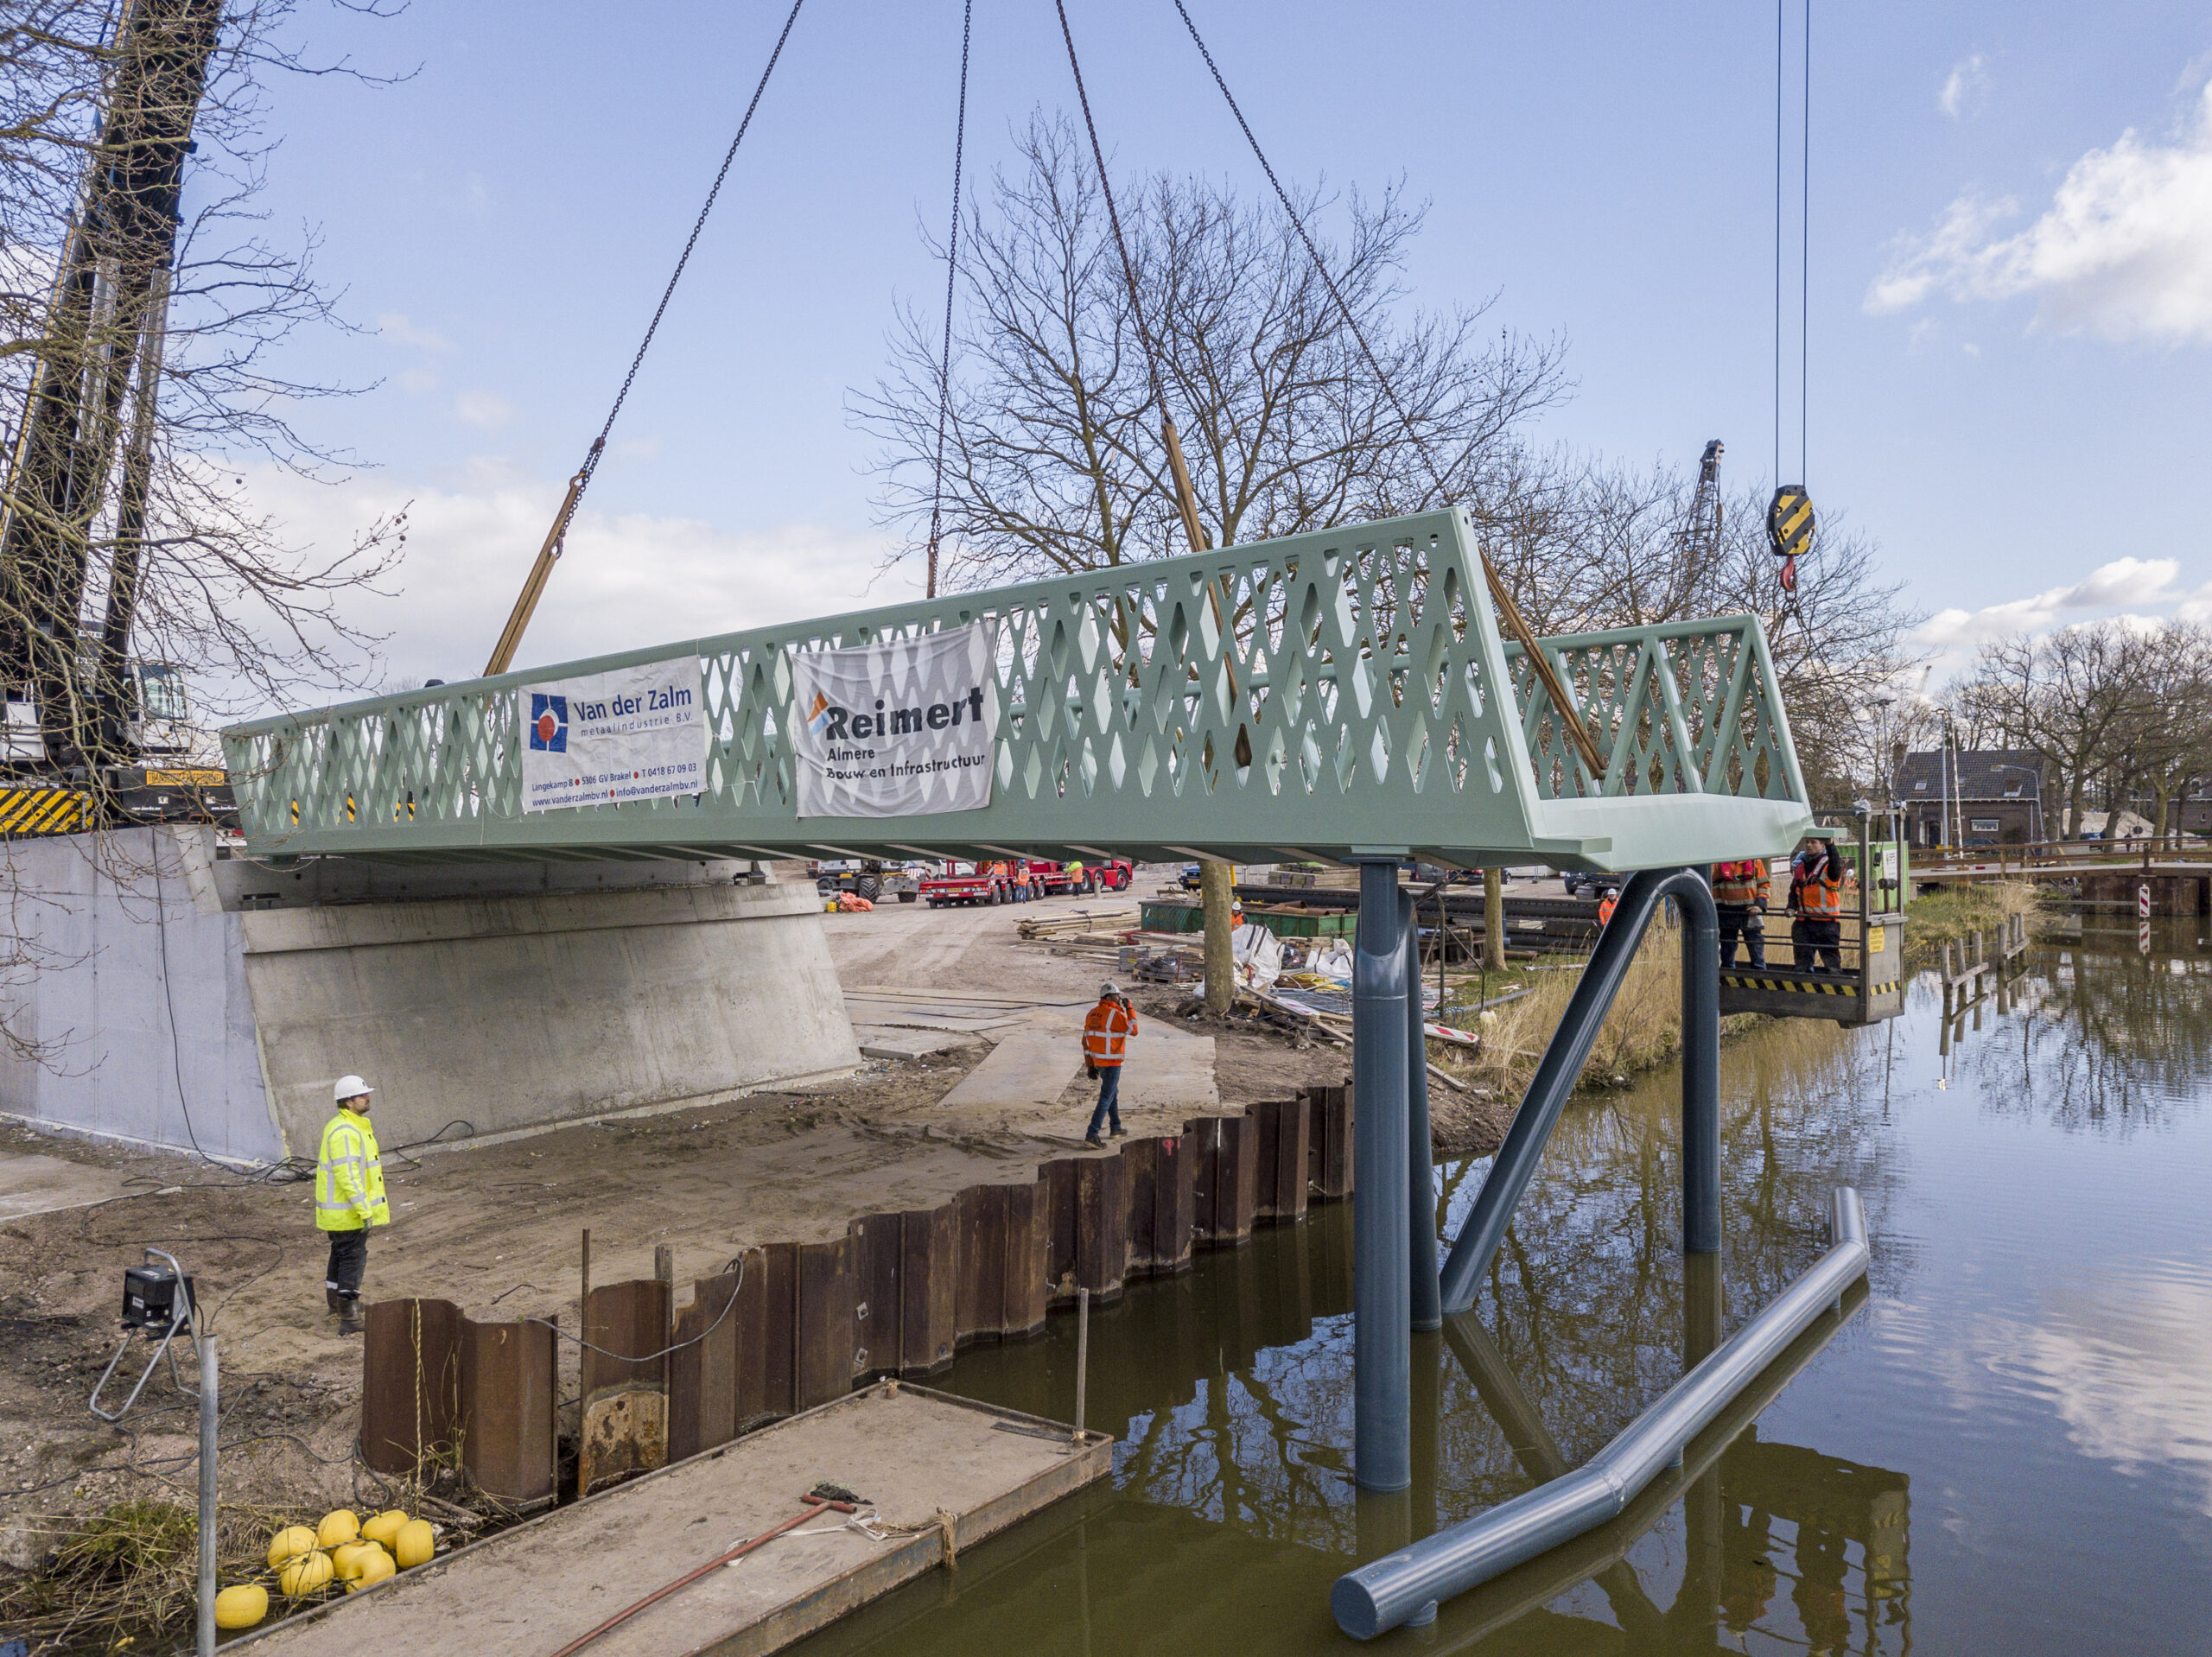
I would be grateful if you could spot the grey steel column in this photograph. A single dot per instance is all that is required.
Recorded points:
(1700, 1062)
(1427, 1300)
(1382, 1312)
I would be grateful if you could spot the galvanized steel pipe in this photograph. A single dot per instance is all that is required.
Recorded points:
(1381, 1317)
(1388, 1591)
(1427, 1305)
(1569, 1049)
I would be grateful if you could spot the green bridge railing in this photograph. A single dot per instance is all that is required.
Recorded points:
(1321, 696)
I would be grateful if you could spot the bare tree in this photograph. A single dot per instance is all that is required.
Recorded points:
(1587, 545)
(142, 304)
(2075, 697)
(1053, 460)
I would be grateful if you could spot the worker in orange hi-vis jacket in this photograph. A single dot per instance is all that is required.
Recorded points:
(1106, 1032)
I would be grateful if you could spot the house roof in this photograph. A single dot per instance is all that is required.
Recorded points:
(1983, 774)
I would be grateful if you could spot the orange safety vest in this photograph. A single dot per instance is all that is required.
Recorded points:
(1820, 897)
(1742, 884)
(1105, 1030)
(1605, 905)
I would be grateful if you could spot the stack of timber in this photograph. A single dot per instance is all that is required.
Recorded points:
(787, 1326)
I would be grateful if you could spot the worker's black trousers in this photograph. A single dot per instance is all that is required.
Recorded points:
(1819, 945)
(1737, 922)
(349, 1259)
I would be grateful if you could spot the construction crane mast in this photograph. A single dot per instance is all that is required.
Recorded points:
(80, 471)
(1702, 535)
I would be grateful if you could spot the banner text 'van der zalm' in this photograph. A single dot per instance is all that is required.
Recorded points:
(634, 734)
(897, 730)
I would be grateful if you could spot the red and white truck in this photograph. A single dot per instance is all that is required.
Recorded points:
(1009, 878)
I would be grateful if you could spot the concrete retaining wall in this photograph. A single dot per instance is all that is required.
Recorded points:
(509, 997)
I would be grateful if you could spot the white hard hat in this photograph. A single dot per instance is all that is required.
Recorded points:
(349, 1087)
(1109, 987)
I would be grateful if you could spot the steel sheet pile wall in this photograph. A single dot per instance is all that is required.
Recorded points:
(793, 1325)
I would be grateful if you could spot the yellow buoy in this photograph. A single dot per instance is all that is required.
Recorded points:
(415, 1544)
(376, 1565)
(289, 1544)
(308, 1574)
(384, 1527)
(338, 1527)
(241, 1607)
(346, 1560)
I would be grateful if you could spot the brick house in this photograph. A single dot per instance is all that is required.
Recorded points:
(1997, 793)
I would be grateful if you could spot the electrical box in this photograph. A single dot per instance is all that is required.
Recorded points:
(155, 1298)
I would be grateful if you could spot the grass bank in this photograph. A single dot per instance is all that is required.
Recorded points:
(1958, 910)
(1643, 1030)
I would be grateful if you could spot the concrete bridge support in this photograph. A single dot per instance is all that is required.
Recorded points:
(186, 998)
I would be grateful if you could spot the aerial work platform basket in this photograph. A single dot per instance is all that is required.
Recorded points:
(1335, 695)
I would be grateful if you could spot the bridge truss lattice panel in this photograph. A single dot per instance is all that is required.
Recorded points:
(1325, 694)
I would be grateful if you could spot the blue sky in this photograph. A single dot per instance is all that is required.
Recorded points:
(2011, 289)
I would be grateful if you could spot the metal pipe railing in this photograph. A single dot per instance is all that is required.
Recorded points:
(1400, 1586)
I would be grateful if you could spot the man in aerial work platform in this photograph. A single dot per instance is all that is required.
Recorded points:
(1740, 899)
(1816, 908)
(1106, 1032)
(349, 1198)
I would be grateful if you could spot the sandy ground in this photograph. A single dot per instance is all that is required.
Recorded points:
(496, 1228)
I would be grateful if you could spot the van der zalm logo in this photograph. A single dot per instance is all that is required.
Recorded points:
(548, 723)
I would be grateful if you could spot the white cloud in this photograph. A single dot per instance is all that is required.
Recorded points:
(2123, 582)
(484, 408)
(2127, 1368)
(627, 580)
(1963, 88)
(2124, 251)
(418, 380)
(2197, 606)
(395, 325)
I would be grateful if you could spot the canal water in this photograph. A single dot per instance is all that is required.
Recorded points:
(2004, 1446)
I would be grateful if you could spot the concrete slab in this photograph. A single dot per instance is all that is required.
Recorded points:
(877, 1042)
(34, 1185)
(1028, 1067)
(915, 1454)
(1174, 1071)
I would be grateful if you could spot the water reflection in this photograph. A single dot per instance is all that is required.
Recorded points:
(2028, 1372)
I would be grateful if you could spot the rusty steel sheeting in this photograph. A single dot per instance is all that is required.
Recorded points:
(625, 1420)
(509, 1389)
(881, 1308)
(1058, 1177)
(827, 1346)
(1285, 1128)
(928, 1270)
(750, 1318)
(1331, 1153)
(1102, 1247)
(979, 1296)
(702, 1374)
(1029, 1230)
(410, 1383)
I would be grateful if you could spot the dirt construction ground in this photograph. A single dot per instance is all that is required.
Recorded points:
(496, 1228)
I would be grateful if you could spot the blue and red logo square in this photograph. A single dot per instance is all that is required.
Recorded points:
(548, 723)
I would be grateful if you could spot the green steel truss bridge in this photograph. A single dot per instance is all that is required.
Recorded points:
(1335, 695)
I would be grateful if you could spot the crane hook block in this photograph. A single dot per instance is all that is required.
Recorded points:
(1789, 524)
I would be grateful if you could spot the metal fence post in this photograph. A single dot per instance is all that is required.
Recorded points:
(1382, 1307)
(1426, 1302)
(210, 1417)
(1700, 1066)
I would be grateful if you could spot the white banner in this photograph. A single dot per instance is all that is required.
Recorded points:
(897, 730)
(635, 734)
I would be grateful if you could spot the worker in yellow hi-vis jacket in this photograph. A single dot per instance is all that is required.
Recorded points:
(349, 1198)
